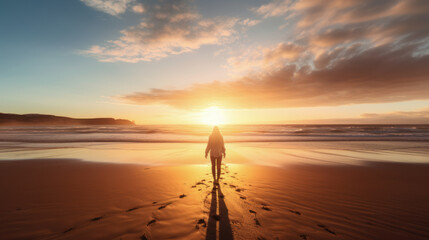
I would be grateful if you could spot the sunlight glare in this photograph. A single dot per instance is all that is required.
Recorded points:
(213, 116)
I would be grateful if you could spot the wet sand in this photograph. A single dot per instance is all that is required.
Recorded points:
(73, 199)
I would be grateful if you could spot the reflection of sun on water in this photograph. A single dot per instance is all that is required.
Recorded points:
(213, 116)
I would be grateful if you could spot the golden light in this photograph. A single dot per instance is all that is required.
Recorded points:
(213, 116)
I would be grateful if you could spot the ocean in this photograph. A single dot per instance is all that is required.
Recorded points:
(199, 133)
(274, 145)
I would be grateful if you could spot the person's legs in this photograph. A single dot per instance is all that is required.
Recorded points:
(218, 162)
(213, 168)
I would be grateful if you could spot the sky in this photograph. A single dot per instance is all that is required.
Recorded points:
(240, 61)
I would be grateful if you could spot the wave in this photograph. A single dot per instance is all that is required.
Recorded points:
(199, 133)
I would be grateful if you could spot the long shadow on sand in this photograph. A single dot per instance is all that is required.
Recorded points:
(225, 231)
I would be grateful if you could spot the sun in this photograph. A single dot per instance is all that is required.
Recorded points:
(213, 116)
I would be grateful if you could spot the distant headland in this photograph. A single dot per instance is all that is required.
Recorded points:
(8, 119)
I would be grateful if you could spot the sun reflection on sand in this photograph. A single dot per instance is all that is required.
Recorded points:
(268, 154)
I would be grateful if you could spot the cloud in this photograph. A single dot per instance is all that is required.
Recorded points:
(112, 7)
(138, 8)
(170, 27)
(274, 8)
(266, 58)
(354, 52)
(372, 76)
(250, 22)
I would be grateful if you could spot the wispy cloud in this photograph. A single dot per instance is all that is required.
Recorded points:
(343, 52)
(170, 27)
(274, 8)
(250, 22)
(112, 7)
(138, 8)
(265, 58)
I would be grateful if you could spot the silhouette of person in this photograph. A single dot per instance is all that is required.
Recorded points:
(216, 147)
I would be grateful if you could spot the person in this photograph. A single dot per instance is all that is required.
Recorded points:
(216, 147)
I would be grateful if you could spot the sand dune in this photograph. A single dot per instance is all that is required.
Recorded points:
(72, 199)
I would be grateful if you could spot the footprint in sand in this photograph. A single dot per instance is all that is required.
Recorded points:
(266, 208)
(256, 220)
(151, 222)
(201, 223)
(326, 229)
(68, 230)
(296, 212)
(143, 237)
(163, 206)
(96, 219)
(132, 209)
(303, 236)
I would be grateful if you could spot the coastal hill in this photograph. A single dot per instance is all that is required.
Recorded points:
(7, 119)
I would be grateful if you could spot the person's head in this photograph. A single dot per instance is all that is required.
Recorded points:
(216, 131)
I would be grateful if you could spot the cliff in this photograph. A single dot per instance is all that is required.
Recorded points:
(7, 119)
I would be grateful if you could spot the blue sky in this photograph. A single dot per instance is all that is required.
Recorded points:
(48, 63)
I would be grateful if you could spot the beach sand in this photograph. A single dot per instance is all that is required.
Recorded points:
(73, 199)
